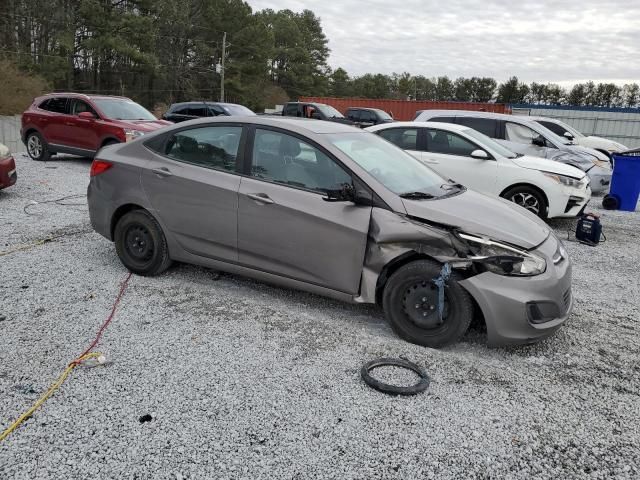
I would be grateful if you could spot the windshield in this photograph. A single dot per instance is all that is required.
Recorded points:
(489, 143)
(329, 111)
(549, 135)
(120, 109)
(238, 110)
(394, 168)
(570, 129)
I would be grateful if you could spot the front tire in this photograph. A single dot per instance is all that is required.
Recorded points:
(141, 244)
(528, 198)
(37, 148)
(410, 302)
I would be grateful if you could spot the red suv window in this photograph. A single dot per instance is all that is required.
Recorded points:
(55, 104)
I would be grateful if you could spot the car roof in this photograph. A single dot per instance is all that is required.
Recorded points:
(453, 127)
(371, 109)
(301, 125)
(83, 95)
(473, 113)
(200, 102)
(535, 118)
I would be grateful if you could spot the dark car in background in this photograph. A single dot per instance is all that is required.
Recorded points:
(317, 111)
(82, 124)
(8, 175)
(367, 117)
(181, 112)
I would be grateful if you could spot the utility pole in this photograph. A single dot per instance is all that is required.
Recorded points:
(224, 53)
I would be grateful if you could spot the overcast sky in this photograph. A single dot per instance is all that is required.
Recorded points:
(537, 40)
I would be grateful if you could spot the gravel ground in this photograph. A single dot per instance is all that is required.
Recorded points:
(243, 380)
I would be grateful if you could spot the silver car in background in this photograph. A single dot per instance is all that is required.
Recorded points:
(522, 135)
(337, 211)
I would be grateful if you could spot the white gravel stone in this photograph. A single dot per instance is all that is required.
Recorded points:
(248, 381)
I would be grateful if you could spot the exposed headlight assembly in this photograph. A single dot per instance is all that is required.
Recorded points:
(564, 180)
(503, 259)
(131, 134)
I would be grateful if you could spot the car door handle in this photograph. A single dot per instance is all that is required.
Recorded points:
(260, 197)
(162, 172)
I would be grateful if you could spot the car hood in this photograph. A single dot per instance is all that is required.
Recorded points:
(586, 152)
(143, 125)
(598, 142)
(544, 165)
(491, 217)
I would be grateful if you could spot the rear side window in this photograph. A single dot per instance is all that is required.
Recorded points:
(56, 104)
(209, 147)
(197, 111)
(285, 159)
(405, 138)
(488, 126)
(439, 141)
(367, 116)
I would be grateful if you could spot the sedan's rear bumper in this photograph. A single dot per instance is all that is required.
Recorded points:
(509, 303)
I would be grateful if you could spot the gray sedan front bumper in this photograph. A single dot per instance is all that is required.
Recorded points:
(506, 301)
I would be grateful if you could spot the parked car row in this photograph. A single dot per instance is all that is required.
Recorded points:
(336, 210)
(528, 137)
(544, 187)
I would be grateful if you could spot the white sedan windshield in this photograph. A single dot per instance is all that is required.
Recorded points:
(489, 143)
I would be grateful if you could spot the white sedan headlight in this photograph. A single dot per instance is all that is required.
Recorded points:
(565, 180)
(504, 259)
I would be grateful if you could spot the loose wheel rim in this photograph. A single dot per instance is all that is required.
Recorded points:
(527, 201)
(34, 145)
(420, 304)
(138, 243)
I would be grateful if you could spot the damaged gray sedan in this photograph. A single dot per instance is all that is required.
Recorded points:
(336, 211)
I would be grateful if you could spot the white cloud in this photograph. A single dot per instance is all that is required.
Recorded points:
(543, 40)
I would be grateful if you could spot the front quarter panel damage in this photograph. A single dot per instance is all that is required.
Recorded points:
(394, 238)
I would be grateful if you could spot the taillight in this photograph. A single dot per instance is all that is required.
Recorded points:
(99, 166)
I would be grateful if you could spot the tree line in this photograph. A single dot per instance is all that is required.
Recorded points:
(163, 51)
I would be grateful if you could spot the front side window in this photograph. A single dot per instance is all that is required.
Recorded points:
(79, 106)
(514, 132)
(282, 158)
(209, 147)
(440, 141)
(405, 138)
(56, 105)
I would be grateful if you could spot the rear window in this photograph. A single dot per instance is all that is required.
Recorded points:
(291, 110)
(442, 119)
(56, 104)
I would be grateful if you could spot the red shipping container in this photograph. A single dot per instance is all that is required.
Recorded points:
(405, 110)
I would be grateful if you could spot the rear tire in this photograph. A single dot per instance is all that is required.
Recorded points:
(141, 244)
(37, 148)
(410, 301)
(529, 198)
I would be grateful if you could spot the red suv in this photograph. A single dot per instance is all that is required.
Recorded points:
(82, 124)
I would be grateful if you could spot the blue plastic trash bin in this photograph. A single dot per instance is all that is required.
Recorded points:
(625, 182)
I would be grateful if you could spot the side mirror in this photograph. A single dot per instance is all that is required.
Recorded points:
(480, 154)
(568, 136)
(87, 115)
(346, 193)
(538, 141)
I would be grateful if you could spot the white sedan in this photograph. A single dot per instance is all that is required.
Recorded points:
(547, 188)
